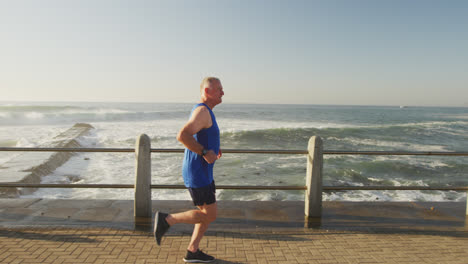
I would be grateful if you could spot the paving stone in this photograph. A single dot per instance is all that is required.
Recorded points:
(39, 231)
(315, 246)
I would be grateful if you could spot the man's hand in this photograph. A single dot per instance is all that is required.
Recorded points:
(211, 156)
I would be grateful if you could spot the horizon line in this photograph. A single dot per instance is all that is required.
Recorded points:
(232, 103)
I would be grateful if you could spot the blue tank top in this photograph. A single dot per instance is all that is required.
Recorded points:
(195, 170)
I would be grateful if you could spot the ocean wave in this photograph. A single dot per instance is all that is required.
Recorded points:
(233, 125)
(346, 138)
(434, 163)
(8, 143)
(35, 108)
(455, 116)
(269, 127)
(388, 144)
(5, 115)
(395, 196)
(34, 115)
(84, 116)
(420, 124)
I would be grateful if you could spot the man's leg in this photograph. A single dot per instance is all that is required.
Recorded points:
(188, 217)
(200, 218)
(210, 211)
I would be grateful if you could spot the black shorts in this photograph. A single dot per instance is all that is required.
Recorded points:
(204, 195)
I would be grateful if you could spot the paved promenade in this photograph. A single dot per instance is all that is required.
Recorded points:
(67, 231)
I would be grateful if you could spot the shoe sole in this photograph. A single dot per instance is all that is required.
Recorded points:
(156, 219)
(197, 261)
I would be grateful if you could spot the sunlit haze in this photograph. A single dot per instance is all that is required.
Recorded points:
(291, 52)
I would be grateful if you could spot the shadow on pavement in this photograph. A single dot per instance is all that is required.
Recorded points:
(46, 237)
(220, 261)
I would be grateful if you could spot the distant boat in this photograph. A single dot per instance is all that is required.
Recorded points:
(402, 106)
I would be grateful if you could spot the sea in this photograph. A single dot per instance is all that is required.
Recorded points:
(251, 126)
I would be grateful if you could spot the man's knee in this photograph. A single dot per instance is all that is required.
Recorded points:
(211, 217)
(210, 212)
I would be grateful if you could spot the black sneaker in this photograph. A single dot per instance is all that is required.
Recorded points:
(198, 257)
(160, 226)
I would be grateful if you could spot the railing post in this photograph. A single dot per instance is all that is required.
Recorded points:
(313, 195)
(142, 206)
(466, 211)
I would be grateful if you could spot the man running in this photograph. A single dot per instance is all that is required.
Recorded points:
(200, 136)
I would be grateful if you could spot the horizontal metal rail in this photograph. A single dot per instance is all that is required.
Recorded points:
(232, 187)
(153, 186)
(398, 153)
(243, 151)
(392, 188)
(69, 149)
(235, 187)
(66, 186)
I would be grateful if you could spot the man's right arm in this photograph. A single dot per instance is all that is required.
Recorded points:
(200, 119)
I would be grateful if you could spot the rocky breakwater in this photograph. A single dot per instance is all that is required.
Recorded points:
(30, 167)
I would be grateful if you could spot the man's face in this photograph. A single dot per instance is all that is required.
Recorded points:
(216, 92)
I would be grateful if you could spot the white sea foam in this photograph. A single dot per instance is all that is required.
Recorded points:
(428, 162)
(5, 115)
(420, 124)
(455, 116)
(236, 125)
(109, 134)
(34, 115)
(391, 144)
(396, 196)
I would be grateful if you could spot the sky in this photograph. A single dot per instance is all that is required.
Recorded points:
(290, 52)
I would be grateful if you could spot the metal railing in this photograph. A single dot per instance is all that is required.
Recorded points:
(243, 151)
(313, 187)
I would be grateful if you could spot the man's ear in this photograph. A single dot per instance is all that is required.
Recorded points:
(207, 90)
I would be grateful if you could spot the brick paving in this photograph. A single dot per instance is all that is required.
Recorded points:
(108, 245)
(104, 231)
